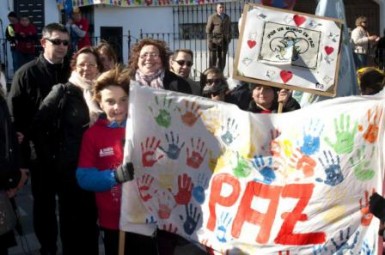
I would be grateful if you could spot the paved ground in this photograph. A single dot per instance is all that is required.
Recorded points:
(28, 244)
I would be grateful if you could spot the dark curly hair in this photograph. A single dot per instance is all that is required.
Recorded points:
(135, 52)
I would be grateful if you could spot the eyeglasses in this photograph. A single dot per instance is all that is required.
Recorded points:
(183, 62)
(58, 41)
(82, 65)
(151, 55)
(211, 81)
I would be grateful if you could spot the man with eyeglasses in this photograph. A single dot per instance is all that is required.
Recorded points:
(181, 62)
(31, 83)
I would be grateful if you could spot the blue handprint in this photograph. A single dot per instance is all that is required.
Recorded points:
(230, 130)
(311, 138)
(320, 250)
(198, 191)
(192, 219)
(333, 170)
(223, 223)
(151, 220)
(265, 170)
(174, 148)
(342, 247)
(366, 250)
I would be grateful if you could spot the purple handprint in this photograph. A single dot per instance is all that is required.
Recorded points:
(230, 130)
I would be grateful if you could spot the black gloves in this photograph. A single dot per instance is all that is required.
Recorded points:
(377, 206)
(124, 172)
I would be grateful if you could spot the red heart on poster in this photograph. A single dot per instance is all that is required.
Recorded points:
(329, 50)
(299, 20)
(251, 43)
(286, 75)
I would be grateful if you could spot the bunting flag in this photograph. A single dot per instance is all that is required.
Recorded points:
(235, 182)
(347, 75)
(138, 3)
(284, 4)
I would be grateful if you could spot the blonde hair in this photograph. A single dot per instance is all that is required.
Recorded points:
(360, 19)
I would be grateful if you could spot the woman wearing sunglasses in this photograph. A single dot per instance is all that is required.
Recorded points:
(215, 87)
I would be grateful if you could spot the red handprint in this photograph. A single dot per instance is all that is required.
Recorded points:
(170, 228)
(196, 158)
(371, 132)
(166, 204)
(184, 189)
(303, 163)
(191, 115)
(364, 208)
(144, 184)
(148, 152)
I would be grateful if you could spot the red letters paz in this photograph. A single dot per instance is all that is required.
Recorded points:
(245, 213)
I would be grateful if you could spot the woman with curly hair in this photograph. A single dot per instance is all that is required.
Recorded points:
(149, 66)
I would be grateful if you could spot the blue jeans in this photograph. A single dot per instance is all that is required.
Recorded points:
(361, 60)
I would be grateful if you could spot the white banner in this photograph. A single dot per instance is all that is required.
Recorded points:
(243, 183)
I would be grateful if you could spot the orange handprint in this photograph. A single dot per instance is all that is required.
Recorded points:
(364, 208)
(303, 163)
(371, 132)
(192, 113)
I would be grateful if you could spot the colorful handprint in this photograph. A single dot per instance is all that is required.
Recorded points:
(144, 183)
(332, 168)
(311, 138)
(174, 147)
(198, 191)
(198, 153)
(230, 132)
(185, 187)
(223, 225)
(344, 134)
(366, 217)
(361, 163)
(190, 114)
(240, 166)
(163, 116)
(191, 220)
(149, 157)
(371, 132)
(166, 204)
(265, 169)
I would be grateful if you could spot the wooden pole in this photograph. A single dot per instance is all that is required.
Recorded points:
(122, 242)
(280, 107)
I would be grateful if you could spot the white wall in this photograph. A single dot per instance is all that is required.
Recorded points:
(150, 19)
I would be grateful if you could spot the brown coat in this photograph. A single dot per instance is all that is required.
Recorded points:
(219, 30)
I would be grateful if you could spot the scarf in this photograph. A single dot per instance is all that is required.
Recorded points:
(86, 86)
(154, 80)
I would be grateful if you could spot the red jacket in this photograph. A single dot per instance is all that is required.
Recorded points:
(84, 41)
(101, 152)
(26, 38)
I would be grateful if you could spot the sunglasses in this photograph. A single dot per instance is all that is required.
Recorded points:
(183, 62)
(211, 81)
(58, 41)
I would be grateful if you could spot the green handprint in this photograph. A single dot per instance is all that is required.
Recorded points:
(345, 138)
(241, 167)
(361, 165)
(163, 118)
